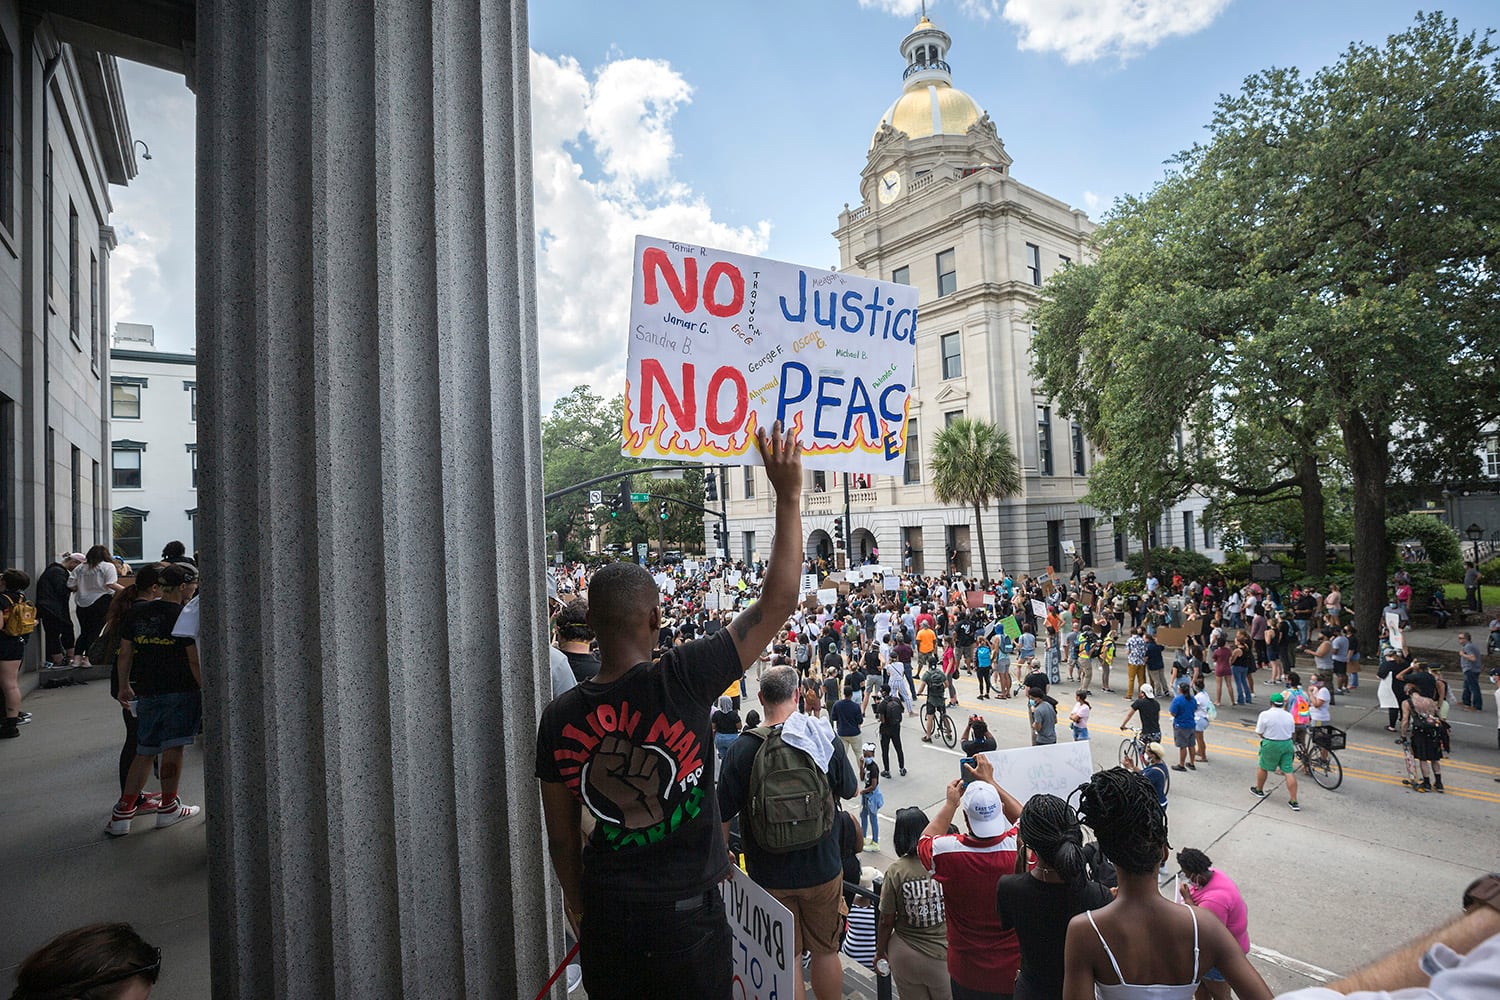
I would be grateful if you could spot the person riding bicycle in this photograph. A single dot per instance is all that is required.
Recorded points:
(1150, 712)
(934, 684)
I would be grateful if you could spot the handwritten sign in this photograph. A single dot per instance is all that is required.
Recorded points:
(1010, 626)
(1055, 769)
(763, 940)
(891, 582)
(1393, 626)
(828, 596)
(1038, 609)
(809, 583)
(722, 344)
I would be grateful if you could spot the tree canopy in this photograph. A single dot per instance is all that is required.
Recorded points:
(1323, 263)
(973, 463)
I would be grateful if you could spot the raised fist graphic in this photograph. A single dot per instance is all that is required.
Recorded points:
(626, 782)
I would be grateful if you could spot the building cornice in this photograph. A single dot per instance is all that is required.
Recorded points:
(122, 354)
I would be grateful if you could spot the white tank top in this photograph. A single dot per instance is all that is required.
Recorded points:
(1135, 991)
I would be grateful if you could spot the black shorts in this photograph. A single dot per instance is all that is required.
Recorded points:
(1340, 667)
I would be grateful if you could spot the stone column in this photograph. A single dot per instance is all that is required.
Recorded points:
(371, 483)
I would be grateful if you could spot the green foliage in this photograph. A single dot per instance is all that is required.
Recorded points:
(1165, 562)
(972, 464)
(1489, 571)
(1440, 541)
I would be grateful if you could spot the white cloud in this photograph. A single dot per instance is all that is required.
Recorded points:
(1085, 30)
(1091, 201)
(589, 209)
(981, 9)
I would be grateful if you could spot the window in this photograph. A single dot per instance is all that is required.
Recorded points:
(901, 275)
(125, 400)
(1119, 546)
(98, 493)
(74, 312)
(820, 481)
(125, 461)
(1086, 540)
(77, 475)
(192, 390)
(911, 549)
(94, 310)
(1064, 260)
(913, 471)
(129, 530)
(1208, 537)
(1492, 458)
(951, 416)
(1152, 538)
(1187, 530)
(749, 482)
(947, 271)
(1054, 545)
(1044, 440)
(7, 136)
(953, 365)
(1078, 467)
(1034, 263)
(747, 544)
(192, 450)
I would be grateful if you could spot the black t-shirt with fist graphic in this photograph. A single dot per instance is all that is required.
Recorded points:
(637, 753)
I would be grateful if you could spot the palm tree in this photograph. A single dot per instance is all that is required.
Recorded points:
(972, 463)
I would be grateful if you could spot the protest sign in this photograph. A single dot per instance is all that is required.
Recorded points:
(1055, 769)
(1173, 638)
(723, 344)
(809, 583)
(891, 582)
(764, 948)
(1011, 627)
(1393, 626)
(828, 596)
(1038, 608)
(975, 598)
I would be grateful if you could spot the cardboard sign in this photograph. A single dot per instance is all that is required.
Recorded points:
(1172, 638)
(722, 344)
(1011, 627)
(764, 943)
(1057, 769)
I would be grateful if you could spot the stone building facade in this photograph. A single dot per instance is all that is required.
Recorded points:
(940, 210)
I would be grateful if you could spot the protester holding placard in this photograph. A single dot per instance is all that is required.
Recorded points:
(634, 744)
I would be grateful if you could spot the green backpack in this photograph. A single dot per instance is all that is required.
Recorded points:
(791, 805)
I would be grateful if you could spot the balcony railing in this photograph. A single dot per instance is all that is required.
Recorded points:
(919, 67)
(817, 503)
(862, 498)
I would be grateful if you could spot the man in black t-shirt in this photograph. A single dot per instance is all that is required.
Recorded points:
(632, 745)
(1150, 712)
(574, 637)
(160, 681)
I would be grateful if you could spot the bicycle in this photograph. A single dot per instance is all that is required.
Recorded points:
(936, 717)
(1133, 756)
(1316, 757)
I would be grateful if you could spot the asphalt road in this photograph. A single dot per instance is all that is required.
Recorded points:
(1357, 872)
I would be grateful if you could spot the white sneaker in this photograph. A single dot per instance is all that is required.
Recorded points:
(119, 822)
(175, 813)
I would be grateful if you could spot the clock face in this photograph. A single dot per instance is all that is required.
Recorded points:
(889, 187)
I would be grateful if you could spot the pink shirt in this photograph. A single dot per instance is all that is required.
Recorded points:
(1222, 898)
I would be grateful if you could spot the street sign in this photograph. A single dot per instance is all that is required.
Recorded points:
(596, 497)
(639, 497)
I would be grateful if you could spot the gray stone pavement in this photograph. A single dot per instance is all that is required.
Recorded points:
(59, 869)
(1356, 872)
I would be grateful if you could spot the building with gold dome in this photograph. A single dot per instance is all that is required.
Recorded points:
(940, 210)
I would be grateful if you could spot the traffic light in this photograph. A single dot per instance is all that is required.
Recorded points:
(622, 500)
(710, 488)
(663, 510)
(838, 532)
(718, 536)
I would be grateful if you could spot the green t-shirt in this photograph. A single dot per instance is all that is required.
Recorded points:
(937, 686)
(910, 893)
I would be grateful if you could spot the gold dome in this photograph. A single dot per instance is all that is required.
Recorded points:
(936, 109)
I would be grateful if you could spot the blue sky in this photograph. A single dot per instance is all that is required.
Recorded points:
(745, 125)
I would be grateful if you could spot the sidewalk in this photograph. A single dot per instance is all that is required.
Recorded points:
(59, 869)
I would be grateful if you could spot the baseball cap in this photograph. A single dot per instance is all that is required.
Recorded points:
(1157, 750)
(75, 556)
(1148, 691)
(982, 808)
(1277, 698)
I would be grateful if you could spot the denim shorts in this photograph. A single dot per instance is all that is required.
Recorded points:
(167, 721)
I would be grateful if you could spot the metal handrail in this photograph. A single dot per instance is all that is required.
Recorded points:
(918, 67)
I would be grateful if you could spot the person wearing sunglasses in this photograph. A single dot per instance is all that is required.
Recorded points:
(97, 962)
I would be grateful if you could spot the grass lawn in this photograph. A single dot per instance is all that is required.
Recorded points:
(1489, 595)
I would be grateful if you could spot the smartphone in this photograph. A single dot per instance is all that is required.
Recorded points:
(964, 763)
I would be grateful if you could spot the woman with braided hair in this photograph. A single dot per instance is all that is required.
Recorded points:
(1037, 904)
(1144, 946)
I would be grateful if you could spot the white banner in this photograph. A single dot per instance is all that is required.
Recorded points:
(722, 344)
(763, 940)
(1057, 769)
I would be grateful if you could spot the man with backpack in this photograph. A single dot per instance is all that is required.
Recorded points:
(792, 853)
(633, 744)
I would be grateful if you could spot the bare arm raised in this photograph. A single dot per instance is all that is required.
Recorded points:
(755, 627)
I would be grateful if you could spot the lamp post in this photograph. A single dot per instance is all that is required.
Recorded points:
(1475, 532)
